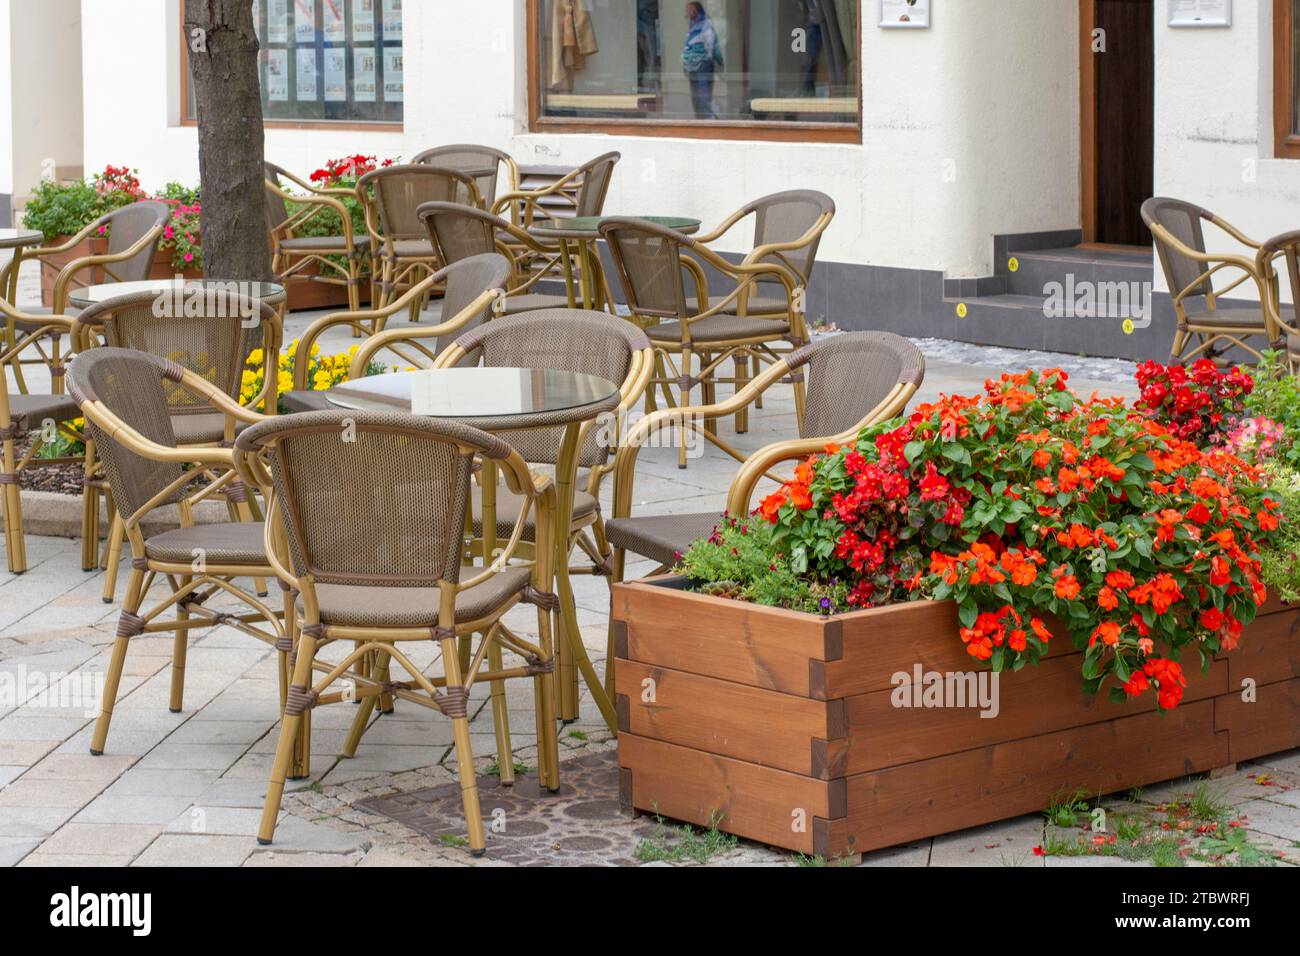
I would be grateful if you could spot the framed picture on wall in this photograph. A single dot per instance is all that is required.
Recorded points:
(1200, 13)
(904, 14)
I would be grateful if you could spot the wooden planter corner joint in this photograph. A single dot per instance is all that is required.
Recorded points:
(793, 730)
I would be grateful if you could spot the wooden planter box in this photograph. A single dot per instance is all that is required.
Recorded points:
(784, 723)
(52, 265)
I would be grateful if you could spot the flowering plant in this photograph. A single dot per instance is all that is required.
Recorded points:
(1026, 504)
(118, 186)
(181, 235)
(346, 170)
(324, 371)
(1199, 404)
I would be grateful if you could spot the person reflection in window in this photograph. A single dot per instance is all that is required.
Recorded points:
(813, 19)
(701, 58)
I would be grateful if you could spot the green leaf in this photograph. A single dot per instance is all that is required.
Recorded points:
(956, 452)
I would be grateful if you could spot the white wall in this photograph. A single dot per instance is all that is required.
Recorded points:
(6, 107)
(1214, 127)
(998, 95)
(46, 74)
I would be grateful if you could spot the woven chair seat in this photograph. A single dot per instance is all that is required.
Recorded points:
(413, 249)
(231, 542)
(1233, 318)
(28, 411)
(719, 328)
(508, 505)
(661, 537)
(202, 428)
(758, 304)
(322, 243)
(357, 606)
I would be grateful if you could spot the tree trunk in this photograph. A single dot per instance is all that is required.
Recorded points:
(222, 52)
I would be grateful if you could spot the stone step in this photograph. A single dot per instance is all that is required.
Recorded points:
(1035, 270)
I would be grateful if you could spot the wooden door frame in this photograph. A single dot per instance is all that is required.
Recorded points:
(1088, 120)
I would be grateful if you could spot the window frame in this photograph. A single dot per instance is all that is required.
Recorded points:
(186, 119)
(770, 131)
(1286, 142)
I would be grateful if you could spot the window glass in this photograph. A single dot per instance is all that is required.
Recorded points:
(708, 61)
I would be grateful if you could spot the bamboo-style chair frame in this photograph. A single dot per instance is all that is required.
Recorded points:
(1284, 247)
(674, 359)
(376, 646)
(293, 264)
(194, 582)
(759, 465)
(456, 155)
(588, 183)
(407, 343)
(94, 328)
(394, 267)
(128, 264)
(1212, 337)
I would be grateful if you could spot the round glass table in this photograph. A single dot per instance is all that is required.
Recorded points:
(577, 237)
(17, 240)
(503, 400)
(269, 292)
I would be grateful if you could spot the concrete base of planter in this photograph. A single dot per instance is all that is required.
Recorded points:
(59, 516)
(786, 728)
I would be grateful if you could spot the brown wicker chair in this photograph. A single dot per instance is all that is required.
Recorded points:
(124, 395)
(366, 526)
(650, 260)
(458, 231)
(589, 183)
(400, 241)
(1285, 316)
(483, 162)
(214, 344)
(472, 288)
(297, 258)
(594, 343)
(856, 379)
(1189, 271)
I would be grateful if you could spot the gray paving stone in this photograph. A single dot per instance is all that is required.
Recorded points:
(1010, 843)
(171, 850)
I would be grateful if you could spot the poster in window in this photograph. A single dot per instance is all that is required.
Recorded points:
(332, 20)
(904, 14)
(1200, 13)
(306, 88)
(392, 19)
(363, 21)
(336, 74)
(393, 74)
(304, 21)
(363, 74)
(277, 75)
(277, 21)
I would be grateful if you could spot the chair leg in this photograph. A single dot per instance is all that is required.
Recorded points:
(90, 498)
(1180, 343)
(464, 755)
(126, 629)
(501, 717)
(180, 648)
(685, 389)
(13, 513)
(742, 379)
(755, 370)
(365, 708)
(116, 533)
(548, 739)
(615, 577)
(287, 743)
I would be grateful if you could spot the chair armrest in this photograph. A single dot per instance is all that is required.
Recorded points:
(380, 340)
(86, 262)
(723, 227)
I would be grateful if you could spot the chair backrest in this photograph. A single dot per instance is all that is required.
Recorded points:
(647, 258)
(596, 177)
(127, 226)
(399, 190)
(210, 335)
(1183, 220)
(482, 162)
(458, 231)
(1286, 245)
(276, 210)
(372, 498)
(466, 280)
(133, 386)
(788, 217)
(849, 375)
(571, 340)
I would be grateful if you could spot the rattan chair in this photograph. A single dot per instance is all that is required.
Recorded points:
(856, 379)
(472, 289)
(124, 395)
(589, 184)
(690, 325)
(482, 162)
(458, 231)
(296, 258)
(44, 417)
(365, 525)
(1285, 315)
(213, 338)
(1189, 271)
(401, 243)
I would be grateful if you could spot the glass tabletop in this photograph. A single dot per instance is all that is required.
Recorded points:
(9, 238)
(588, 227)
(269, 292)
(474, 393)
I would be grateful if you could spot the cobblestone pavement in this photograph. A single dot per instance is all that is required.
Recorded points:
(188, 788)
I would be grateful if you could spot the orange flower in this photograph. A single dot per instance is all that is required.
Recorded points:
(1108, 632)
(1067, 587)
(1107, 600)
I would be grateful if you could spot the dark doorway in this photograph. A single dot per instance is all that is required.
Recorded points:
(1119, 135)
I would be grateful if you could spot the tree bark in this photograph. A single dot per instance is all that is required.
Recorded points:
(222, 52)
